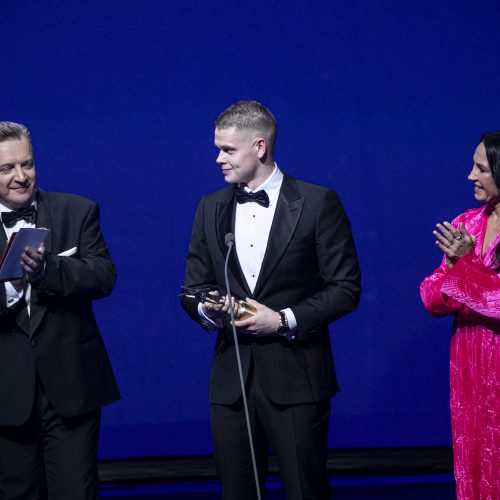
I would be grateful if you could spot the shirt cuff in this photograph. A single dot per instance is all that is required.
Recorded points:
(12, 295)
(207, 322)
(292, 324)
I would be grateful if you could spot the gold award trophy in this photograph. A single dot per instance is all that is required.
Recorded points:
(243, 310)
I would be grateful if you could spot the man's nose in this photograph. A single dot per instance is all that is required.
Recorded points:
(220, 158)
(20, 174)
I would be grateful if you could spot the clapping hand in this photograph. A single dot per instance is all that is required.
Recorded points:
(455, 243)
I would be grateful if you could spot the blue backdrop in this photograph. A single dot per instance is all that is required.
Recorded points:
(383, 101)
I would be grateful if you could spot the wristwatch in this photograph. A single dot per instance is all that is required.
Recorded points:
(283, 327)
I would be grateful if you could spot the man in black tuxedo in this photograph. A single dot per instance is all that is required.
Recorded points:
(296, 263)
(55, 374)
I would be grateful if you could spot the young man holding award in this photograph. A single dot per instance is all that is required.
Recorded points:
(296, 268)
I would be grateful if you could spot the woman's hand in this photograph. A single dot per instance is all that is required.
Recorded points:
(455, 243)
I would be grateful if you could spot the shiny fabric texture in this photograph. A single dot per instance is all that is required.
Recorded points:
(471, 291)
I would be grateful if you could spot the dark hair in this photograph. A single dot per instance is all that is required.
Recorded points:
(249, 115)
(12, 130)
(491, 141)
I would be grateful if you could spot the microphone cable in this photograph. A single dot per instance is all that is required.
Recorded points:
(229, 241)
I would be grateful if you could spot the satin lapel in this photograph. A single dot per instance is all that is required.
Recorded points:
(3, 239)
(286, 217)
(225, 215)
(43, 217)
(37, 311)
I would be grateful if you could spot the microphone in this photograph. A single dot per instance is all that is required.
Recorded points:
(242, 310)
(229, 239)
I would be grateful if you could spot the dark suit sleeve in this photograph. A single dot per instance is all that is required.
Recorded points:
(199, 266)
(338, 268)
(90, 273)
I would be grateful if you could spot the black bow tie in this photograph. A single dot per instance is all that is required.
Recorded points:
(28, 214)
(259, 197)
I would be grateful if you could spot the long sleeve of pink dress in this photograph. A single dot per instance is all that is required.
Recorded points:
(471, 291)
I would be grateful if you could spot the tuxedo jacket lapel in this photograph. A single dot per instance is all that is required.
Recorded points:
(3, 239)
(286, 218)
(225, 213)
(37, 311)
(43, 218)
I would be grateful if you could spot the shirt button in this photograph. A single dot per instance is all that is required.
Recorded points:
(33, 342)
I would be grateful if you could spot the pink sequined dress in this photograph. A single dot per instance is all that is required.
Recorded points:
(471, 291)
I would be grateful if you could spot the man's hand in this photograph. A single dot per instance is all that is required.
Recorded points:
(217, 308)
(264, 322)
(33, 263)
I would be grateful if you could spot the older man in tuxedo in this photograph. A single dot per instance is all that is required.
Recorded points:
(55, 374)
(296, 264)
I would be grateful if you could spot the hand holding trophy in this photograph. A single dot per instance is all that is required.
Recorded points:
(242, 309)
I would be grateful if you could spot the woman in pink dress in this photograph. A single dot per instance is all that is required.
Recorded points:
(467, 284)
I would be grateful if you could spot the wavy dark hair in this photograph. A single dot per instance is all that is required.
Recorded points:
(491, 141)
(13, 130)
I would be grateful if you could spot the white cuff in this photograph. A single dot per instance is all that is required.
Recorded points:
(206, 321)
(292, 323)
(12, 295)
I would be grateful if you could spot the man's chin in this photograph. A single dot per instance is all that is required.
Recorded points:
(230, 180)
(15, 203)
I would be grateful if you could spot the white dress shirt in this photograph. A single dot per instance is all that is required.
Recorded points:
(252, 227)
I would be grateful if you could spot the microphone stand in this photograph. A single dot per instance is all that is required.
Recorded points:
(229, 240)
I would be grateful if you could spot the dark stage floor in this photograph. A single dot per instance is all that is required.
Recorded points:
(417, 487)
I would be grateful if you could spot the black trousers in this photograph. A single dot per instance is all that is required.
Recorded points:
(50, 457)
(298, 435)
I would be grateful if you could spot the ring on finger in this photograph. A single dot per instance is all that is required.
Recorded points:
(459, 236)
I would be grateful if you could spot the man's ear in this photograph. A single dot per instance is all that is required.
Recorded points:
(261, 145)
